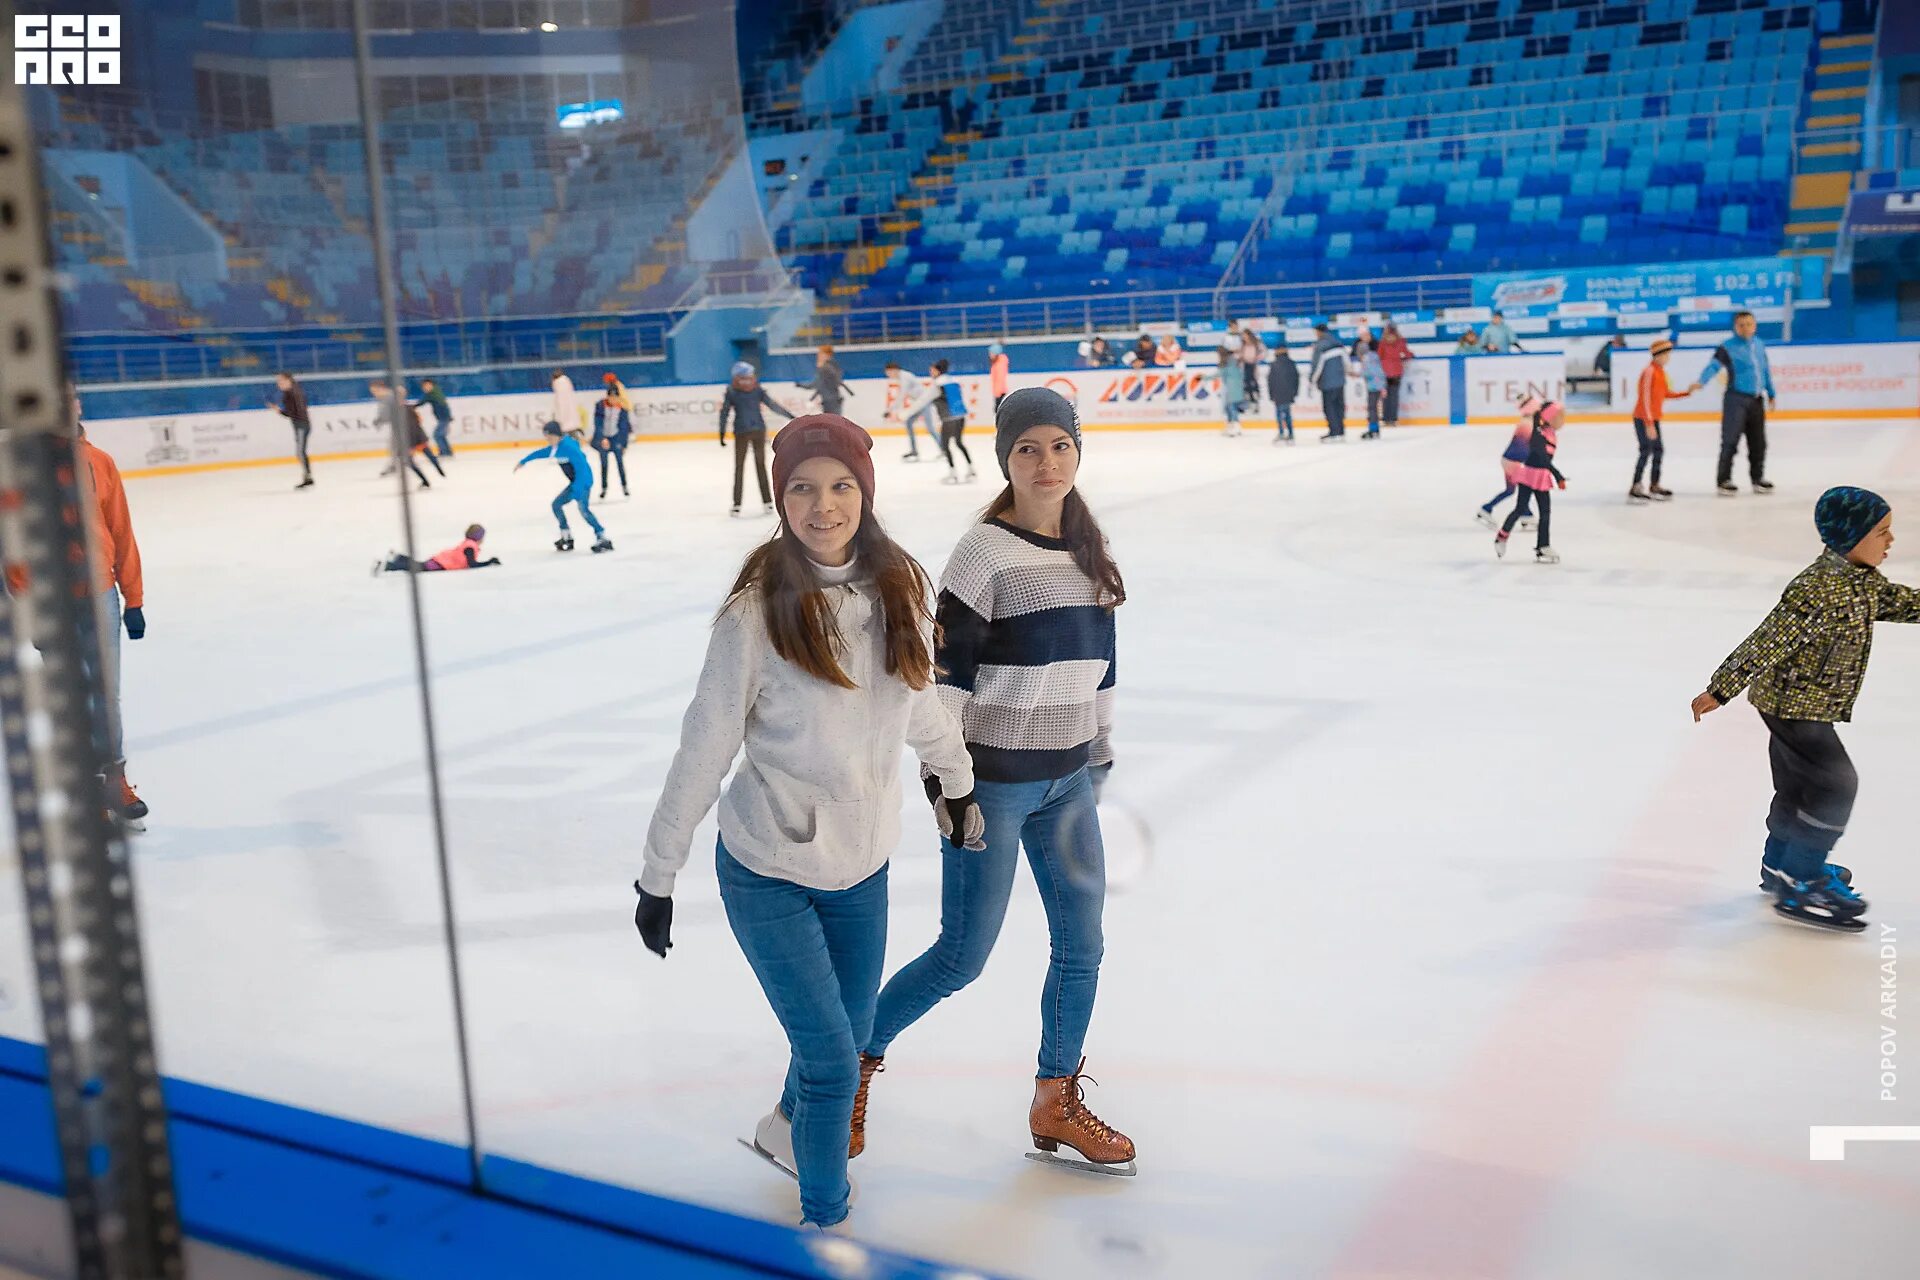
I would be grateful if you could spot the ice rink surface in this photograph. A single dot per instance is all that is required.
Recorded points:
(1433, 947)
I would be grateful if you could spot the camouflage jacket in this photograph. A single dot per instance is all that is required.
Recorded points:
(1806, 661)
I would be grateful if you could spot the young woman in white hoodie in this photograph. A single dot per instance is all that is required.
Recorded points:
(820, 666)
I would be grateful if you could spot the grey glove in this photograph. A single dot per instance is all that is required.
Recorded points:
(1097, 773)
(962, 815)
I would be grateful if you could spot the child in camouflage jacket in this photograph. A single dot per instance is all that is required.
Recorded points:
(1803, 667)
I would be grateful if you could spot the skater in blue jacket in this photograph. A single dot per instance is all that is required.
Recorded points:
(565, 450)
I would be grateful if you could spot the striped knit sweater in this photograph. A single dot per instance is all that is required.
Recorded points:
(1028, 655)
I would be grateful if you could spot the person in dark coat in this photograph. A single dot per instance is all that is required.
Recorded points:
(293, 407)
(742, 403)
(829, 383)
(1329, 376)
(1283, 384)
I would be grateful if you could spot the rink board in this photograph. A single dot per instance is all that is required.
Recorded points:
(1816, 382)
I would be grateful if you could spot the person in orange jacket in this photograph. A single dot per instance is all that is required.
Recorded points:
(120, 596)
(1648, 407)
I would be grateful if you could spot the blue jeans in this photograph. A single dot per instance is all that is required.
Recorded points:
(108, 613)
(1057, 823)
(1499, 498)
(1283, 420)
(440, 444)
(579, 496)
(818, 955)
(926, 421)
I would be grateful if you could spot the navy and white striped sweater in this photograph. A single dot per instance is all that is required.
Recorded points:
(1028, 656)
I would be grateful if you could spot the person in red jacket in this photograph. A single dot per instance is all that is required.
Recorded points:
(120, 597)
(997, 373)
(1394, 354)
(1648, 405)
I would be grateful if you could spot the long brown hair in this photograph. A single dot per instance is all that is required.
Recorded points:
(800, 622)
(1085, 543)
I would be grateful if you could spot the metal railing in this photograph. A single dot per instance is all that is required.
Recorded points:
(1127, 312)
(103, 360)
(1892, 146)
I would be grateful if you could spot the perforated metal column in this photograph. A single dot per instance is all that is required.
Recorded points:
(79, 890)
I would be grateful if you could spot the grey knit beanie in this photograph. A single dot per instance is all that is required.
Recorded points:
(1026, 409)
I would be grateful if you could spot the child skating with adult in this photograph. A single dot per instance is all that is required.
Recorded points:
(566, 450)
(1537, 478)
(1802, 669)
(1027, 665)
(743, 401)
(1742, 413)
(1649, 403)
(1512, 459)
(820, 666)
(612, 429)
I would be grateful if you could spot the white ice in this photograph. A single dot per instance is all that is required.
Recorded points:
(1433, 950)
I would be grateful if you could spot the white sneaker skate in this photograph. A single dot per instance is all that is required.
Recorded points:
(773, 1142)
(1546, 555)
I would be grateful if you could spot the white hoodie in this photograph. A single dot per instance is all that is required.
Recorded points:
(817, 799)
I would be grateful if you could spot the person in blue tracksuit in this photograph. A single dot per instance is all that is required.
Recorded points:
(1744, 357)
(612, 429)
(565, 450)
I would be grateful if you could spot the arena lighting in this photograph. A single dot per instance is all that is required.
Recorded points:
(549, 27)
(578, 115)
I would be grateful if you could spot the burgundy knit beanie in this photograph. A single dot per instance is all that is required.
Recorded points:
(822, 435)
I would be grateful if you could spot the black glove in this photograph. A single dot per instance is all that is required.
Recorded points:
(136, 620)
(962, 815)
(654, 918)
(1099, 772)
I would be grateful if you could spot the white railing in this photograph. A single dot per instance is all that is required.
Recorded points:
(1129, 312)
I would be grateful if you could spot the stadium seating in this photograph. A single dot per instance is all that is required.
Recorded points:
(1044, 147)
(490, 218)
(1035, 148)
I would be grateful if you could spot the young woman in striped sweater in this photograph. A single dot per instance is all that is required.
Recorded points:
(1027, 666)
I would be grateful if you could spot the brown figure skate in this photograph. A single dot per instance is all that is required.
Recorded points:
(857, 1141)
(1060, 1116)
